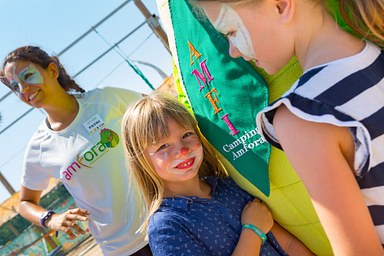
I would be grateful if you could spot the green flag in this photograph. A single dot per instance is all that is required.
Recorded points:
(224, 103)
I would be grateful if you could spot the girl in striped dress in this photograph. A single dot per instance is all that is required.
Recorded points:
(331, 122)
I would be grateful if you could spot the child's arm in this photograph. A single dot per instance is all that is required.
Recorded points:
(321, 154)
(257, 214)
(289, 243)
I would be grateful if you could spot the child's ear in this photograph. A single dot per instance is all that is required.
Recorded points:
(285, 9)
(53, 70)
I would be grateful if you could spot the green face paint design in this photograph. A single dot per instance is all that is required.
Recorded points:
(29, 74)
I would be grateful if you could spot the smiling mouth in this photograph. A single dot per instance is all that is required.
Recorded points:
(186, 164)
(33, 95)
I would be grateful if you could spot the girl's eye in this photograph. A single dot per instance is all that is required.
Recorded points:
(187, 135)
(162, 147)
(230, 34)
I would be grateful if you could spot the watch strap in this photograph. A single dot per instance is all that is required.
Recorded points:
(46, 215)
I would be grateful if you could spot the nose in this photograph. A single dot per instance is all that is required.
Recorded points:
(233, 51)
(23, 87)
(184, 151)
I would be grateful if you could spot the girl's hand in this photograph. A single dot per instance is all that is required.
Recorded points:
(257, 214)
(64, 222)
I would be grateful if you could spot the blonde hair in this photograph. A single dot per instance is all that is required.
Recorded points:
(365, 17)
(143, 124)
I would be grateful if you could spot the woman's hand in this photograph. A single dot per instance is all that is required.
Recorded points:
(257, 214)
(66, 221)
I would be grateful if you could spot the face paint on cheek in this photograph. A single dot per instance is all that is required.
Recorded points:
(16, 82)
(224, 22)
(230, 21)
(198, 155)
(166, 155)
(242, 41)
(198, 143)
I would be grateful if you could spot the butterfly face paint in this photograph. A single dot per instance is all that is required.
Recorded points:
(229, 22)
(28, 74)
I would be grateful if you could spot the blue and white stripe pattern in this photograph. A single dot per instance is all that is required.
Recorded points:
(348, 93)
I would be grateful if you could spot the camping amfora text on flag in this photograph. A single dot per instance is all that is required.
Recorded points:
(225, 94)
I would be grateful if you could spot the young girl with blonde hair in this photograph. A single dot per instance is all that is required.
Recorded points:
(194, 209)
(330, 122)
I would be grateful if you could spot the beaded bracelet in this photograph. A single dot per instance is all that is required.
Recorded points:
(258, 231)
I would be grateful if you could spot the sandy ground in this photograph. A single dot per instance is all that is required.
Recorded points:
(87, 248)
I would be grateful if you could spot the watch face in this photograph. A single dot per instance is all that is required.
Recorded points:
(45, 216)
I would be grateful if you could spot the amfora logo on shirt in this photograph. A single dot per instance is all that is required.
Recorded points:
(108, 139)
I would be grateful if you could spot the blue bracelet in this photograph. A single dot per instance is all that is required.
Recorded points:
(258, 231)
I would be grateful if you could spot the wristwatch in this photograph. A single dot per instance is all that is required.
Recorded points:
(46, 215)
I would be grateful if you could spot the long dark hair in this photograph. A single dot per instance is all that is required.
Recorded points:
(40, 57)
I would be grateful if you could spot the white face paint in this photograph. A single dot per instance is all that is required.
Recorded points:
(16, 83)
(29, 74)
(229, 22)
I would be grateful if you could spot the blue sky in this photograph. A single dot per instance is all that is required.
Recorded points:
(54, 25)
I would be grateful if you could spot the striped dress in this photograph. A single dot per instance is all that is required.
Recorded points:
(348, 93)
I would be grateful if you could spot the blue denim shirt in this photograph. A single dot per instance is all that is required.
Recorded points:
(196, 226)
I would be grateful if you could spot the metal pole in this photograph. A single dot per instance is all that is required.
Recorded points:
(7, 185)
(93, 28)
(6, 128)
(113, 46)
(154, 24)
(5, 96)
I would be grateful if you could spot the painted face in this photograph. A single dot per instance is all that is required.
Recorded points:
(34, 85)
(256, 32)
(28, 74)
(178, 157)
(229, 23)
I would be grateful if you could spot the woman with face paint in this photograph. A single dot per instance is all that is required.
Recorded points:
(194, 209)
(330, 123)
(78, 143)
